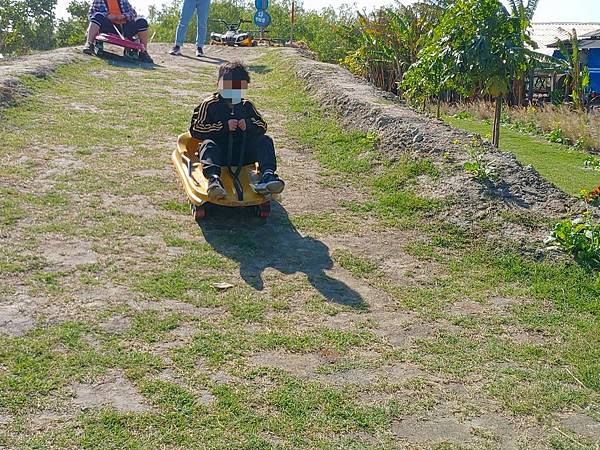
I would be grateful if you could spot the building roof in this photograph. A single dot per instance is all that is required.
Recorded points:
(592, 35)
(548, 33)
(589, 43)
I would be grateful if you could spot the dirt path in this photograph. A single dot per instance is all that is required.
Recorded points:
(339, 332)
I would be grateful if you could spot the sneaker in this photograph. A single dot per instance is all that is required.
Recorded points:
(175, 51)
(199, 52)
(89, 49)
(270, 183)
(215, 190)
(146, 58)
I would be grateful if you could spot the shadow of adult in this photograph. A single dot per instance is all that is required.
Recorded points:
(276, 243)
(113, 59)
(205, 59)
(260, 69)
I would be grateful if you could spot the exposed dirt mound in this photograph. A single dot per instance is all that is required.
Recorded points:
(404, 131)
(38, 65)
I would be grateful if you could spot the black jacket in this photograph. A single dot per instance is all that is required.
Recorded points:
(210, 121)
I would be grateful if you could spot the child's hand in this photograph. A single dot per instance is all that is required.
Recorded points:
(242, 124)
(233, 124)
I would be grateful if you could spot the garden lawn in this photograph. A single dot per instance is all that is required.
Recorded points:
(559, 164)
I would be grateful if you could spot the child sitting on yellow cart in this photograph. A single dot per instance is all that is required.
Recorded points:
(233, 133)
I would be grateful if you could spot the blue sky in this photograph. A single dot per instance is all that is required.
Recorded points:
(548, 10)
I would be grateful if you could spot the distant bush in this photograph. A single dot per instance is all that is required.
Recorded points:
(71, 31)
(558, 137)
(592, 163)
(26, 26)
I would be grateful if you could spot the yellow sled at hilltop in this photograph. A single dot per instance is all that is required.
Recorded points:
(189, 169)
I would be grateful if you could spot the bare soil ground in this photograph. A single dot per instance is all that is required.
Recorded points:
(340, 331)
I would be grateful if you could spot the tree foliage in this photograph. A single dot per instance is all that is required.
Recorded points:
(387, 42)
(26, 25)
(71, 31)
(578, 78)
(477, 48)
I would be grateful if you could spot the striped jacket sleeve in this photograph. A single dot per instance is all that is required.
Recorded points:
(257, 124)
(204, 125)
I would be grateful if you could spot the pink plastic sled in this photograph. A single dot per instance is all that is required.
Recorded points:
(121, 42)
(131, 47)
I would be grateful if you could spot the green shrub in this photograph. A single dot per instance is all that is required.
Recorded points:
(481, 170)
(592, 162)
(580, 237)
(71, 31)
(558, 136)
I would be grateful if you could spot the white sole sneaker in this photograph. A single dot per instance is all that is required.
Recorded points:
(217, 193)
(175, 53)
(274, 187)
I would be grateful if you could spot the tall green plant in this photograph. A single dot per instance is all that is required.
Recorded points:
(578, 77)
(388, 41)
(71, 31)
(521, 15)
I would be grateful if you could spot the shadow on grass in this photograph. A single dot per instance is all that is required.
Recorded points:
(260, 69)
(121, 61)
(276, 243)
(205, 59)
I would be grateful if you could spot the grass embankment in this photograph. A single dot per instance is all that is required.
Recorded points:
(560, 164)
(199, 356)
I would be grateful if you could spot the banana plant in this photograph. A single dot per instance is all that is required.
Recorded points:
(387, 42)
(578, 77)
(521, 14)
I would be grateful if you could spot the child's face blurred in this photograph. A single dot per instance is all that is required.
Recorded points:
(233, 84)
(233, 90)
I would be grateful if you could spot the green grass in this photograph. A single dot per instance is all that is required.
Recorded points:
(351, 155)
(561, 165)
(358, 266)
(40, 365)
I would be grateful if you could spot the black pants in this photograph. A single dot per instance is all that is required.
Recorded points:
(129, 30)
(262, 151)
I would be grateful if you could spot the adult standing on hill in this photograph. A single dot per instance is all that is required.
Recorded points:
(201, 7)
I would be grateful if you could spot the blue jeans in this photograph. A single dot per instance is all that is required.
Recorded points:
(187, 11)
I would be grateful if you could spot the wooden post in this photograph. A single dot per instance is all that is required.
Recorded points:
(497, 116)
(531, 86)
(293, 21)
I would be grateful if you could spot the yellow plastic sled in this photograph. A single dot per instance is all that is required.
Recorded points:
(189, 169)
